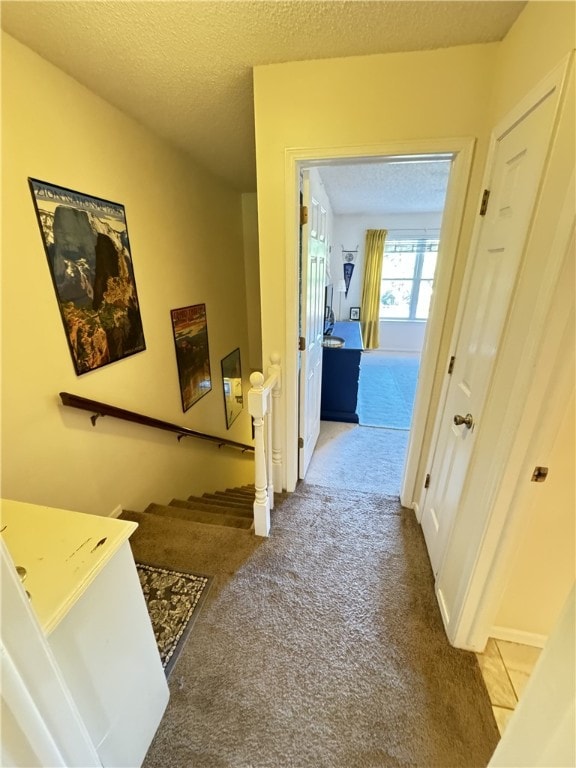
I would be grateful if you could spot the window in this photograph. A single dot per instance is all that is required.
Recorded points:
(407, 279)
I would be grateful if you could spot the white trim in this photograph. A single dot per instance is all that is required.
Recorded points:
(444, 612)
(537, 427)
(290, 421)
(483, 577)
(462, 150)
(430, 363)
(556, 79)
(116, 512)
(422, 492)
(518, 636)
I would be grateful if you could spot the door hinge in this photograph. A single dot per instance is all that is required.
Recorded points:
(302, 344)
(300, 442)
(451, 364)
(303, 215)
(427, 482)
(484, 203)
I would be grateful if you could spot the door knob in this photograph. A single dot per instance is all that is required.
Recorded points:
(466, 420)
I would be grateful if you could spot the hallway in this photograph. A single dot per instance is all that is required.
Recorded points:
(324, 648)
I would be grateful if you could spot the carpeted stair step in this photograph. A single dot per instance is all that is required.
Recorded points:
(213, 509)
(227, 501)
(248, 498)
(198, 516)
(241, 493)
(236, 509)
(227, 497)
(188, 546)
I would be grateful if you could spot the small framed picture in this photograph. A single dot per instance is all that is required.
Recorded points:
(354, 313)
(190, 330)
(232, 385)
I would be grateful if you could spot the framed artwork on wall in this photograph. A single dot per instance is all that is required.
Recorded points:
(354, 313)
(232, 386)
(190, 329)
(86, 243)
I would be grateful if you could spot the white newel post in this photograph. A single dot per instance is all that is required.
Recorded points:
(257, 408)
(264, 407)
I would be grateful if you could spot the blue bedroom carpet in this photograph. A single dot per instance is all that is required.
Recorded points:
(386, 389)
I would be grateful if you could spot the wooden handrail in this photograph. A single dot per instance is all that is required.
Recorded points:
(102, 409)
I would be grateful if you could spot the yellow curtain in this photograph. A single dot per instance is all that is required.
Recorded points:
(370, 310)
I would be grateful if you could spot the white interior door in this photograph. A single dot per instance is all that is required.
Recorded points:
(312, 288)
(516, 170)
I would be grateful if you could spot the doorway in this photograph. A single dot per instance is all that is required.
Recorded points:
(406, 194)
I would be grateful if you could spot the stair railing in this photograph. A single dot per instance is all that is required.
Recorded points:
(99, 409)
(263, 406)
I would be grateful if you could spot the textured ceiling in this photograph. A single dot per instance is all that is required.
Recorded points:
(183, 67)
(390, 187)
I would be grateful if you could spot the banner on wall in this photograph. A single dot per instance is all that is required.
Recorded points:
(348, 270)
(348, 257)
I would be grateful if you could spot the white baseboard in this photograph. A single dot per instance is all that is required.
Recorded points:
(518, 636)
(116, 512)
(443, 610)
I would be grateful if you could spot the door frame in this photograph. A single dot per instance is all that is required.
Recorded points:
(462, 150)
(307, 183)
(495, 482)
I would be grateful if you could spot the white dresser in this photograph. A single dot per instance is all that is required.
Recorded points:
(85, 592)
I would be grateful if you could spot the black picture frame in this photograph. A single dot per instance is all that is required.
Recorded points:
(354, 313)
(190, 330)
(86, 243)
(232, 386)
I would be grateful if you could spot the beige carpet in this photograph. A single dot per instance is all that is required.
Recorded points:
(359, 458)
(324, 649)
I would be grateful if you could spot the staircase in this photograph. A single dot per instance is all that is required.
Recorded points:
(212, 534)
(232, 508)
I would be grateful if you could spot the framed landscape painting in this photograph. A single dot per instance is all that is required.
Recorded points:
(192, 355)
(86, 243)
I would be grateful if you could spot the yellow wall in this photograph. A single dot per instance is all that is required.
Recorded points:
(185, 232)
(250, 229)
(366, 100)
(543, 568)
(543, 33)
